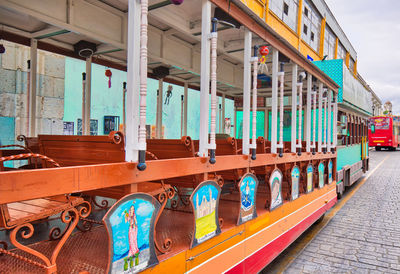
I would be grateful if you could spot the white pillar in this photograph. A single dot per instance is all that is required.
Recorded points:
(308, 113)
(320, 92)
(294, 107)
(274, 104)
(133, 85)
(159, 109)
(281, 75)
(246, 91)
(329, 120)
(205, 77)
(185, 106)
(88, 92)
(32, 91)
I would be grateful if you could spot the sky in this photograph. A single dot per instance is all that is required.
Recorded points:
(373, 28)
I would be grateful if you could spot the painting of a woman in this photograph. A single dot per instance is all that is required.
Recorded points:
(133, 232)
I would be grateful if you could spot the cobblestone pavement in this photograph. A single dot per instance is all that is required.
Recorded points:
(364, 236)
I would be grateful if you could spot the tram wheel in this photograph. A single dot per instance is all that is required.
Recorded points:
(340, 195)
(377, 148)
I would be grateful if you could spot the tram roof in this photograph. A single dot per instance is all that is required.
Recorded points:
(174, 37)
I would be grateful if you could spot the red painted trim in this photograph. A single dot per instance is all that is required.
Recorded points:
(268, 253)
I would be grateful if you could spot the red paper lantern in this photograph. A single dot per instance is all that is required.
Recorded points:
(109, 74)
(264, 50)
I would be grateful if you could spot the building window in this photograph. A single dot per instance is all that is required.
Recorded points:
(341, 52)
(68, 128)
(286, 10)
(312, 22)
(94, 125)
(329, 43)
(111, 123)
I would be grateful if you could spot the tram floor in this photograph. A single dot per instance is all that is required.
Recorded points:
(361, 234)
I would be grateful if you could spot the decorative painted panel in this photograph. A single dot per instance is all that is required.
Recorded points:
(130, 226)
(205, 202)
(295, 174)
(330, 168)
(248, 190)
(310, 173)
(275, 183)
(321, 173)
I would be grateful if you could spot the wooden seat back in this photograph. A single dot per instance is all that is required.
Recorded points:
(226, 146)
(72, 150)
(170, 148)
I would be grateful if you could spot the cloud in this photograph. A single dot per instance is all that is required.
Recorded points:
(372, 28)
(145, 209)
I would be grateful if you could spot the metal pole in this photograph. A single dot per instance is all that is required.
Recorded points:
(329, 120)
(133, 83)
(32, 91)
(204, 77)
(83, 102)
(308, 120)
(28, 92)
(185, 111)
(182, 114)
(320, 92)
(335, 110)
(213, 37)
(88, 96)
(246, 91)
(274, 104)
(253, 145)
(159, 109)
(281, 75)
(294, 107)
(314, 94)
(124, 107)
(300, 128)
(223, 114)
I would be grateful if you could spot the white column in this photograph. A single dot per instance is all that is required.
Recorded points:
(213, 79)
(300, 128)
(185, 106)
(32, 91)
(246, 91)
(143, 83)
(314, 96)
(254, 61)
(88, 92)
(159, 109)
(308, 113)
(133, 85)
(281, 76)
(124, 107)
(320, 92)
(205, 77)
(329, 120)
(294, 107)
(274, 104)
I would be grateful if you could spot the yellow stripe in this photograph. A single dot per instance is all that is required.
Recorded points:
(292, 255)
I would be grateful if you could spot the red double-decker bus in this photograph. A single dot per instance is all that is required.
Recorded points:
(383, 132)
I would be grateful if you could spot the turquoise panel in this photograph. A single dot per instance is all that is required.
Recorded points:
(7, 136)
(260, 124)
(334, 69)
(348, 155)
(108, 101)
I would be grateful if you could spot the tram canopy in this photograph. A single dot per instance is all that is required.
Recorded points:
(174, 37)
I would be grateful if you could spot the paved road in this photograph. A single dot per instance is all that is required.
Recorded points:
(364, 235)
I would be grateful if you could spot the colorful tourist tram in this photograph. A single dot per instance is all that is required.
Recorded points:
(383, 132)
(195, 204)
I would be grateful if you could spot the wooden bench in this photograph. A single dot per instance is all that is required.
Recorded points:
(19, 216)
